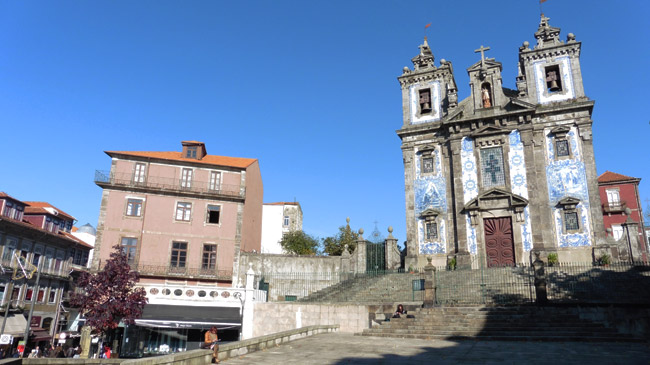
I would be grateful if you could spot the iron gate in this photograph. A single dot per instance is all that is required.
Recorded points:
(375, 257)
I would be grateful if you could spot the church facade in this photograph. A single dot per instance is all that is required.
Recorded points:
(502, 173)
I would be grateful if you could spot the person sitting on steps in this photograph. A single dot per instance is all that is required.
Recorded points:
(399, 312)
(210, 342)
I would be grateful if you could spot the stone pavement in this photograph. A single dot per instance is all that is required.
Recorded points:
(345, 348)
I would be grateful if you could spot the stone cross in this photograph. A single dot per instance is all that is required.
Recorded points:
(482, 50)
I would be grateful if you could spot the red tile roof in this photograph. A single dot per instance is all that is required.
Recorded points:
(60, 234)
(609, 176)
(39, 208)
(5, 195)
(177, 156)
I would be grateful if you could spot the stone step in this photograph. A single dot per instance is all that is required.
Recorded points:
(616, 338)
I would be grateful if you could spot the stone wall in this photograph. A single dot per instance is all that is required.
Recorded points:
(275, 317)
(274, 263)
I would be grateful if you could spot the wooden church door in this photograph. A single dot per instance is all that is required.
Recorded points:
(499, 244)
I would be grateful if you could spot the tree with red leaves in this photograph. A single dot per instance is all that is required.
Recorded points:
(110, 296)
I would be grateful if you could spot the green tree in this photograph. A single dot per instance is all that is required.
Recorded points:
(299, 243)
(333, 246)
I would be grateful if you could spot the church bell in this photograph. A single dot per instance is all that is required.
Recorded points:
(554, 86)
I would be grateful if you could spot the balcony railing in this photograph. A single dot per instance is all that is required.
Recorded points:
(156, 269)
(117, 179)
(614, 207)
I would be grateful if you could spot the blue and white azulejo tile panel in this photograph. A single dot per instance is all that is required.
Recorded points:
(471, 235)
(568, 178)
(437, 246)
(470, 175)
(430, 192)
(517, 165)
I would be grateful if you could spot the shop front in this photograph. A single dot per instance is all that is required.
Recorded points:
(165, 329)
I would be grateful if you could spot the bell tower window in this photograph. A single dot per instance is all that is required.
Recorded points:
(425, 101)
(553, 79)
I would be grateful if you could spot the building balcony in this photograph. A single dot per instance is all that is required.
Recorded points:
(185, 295)
(116, 180)
(614, 207)
(156, 269)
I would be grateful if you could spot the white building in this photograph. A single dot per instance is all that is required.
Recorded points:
(278, 219)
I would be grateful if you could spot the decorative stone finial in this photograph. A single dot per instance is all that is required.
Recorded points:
(406, 70)
(570, 37)
(390, 229)
(347, 220)
(443, 61)
(360, 231)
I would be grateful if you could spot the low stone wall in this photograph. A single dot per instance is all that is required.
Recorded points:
(273, 317)
(46, 360)
(274, 263)
(198, 357)
(241, 348)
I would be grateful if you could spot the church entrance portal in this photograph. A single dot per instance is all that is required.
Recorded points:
(499, 244)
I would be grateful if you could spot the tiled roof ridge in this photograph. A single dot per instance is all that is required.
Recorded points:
(241, 162)
(609, 176)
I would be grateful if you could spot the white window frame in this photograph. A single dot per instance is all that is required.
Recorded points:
(139, 173)
(186, 178)
(215, 180)
(286, 221)
(617, 231)
(613, 197)
(207, 213)
(183, 211)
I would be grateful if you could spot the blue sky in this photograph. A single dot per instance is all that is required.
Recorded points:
(307, 87)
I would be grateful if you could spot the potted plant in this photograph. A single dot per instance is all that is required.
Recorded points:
(552, 259)
(411, 269)
(605, 260)
(451, 265)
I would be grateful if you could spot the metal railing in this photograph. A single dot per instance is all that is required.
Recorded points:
(156, 269)
(485, 286)
(614, 206)
(621, 282)
(164, 183)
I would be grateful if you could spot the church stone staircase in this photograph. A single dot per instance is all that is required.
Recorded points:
(385, 288)
(498, 323)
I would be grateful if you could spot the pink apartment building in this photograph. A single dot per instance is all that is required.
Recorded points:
(182, 218)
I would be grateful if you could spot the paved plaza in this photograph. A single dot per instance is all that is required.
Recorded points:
(345, 348)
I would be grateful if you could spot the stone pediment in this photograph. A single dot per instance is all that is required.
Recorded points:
(568, 202)
(430, 213)
(516, 104)
(496, 199)
(489, 131)
(489, 63)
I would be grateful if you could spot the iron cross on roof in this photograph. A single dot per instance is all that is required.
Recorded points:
(482, 50)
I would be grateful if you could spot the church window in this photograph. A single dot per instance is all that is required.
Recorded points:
(553, 78)
(571, 221)
(431, 231)
(492, 169)
(562, 148)
(425, 101)
(427, 165)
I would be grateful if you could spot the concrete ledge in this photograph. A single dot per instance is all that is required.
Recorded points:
(240, 348)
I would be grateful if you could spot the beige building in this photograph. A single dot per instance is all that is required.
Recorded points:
(182, 218)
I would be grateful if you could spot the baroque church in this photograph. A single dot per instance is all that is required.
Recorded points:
(503, 173)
